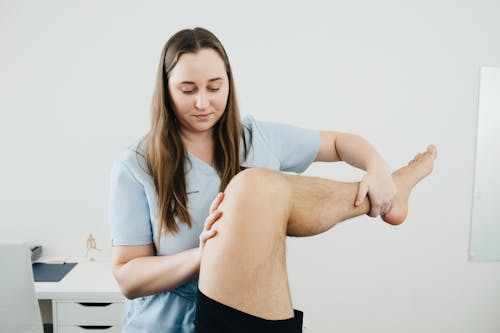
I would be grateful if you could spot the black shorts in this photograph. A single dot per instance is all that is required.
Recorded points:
(215, 317)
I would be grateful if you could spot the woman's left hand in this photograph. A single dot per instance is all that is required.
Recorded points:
(215, 214)
(380, 188)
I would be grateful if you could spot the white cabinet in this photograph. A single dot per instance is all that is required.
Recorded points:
(87, 299)
(86, 316)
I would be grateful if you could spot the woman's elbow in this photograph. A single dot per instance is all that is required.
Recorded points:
(129, 293)
(126, 288)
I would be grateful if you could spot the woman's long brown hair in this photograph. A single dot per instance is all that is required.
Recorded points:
(165, 154)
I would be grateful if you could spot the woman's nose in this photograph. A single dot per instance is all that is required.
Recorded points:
(201, 101)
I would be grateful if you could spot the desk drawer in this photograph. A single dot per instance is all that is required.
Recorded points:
(78, 329)
(88, 313)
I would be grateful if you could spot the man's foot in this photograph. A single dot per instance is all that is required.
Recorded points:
(405, 179)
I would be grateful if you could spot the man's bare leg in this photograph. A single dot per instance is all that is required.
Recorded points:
(244, 266)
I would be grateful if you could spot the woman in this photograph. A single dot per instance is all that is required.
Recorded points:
(162, 189)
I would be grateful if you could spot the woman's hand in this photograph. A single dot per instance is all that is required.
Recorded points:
(380, 188)
(215, 214)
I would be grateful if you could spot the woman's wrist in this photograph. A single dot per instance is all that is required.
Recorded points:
(196, 255)
(378, 164)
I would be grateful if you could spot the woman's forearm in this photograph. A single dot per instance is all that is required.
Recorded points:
(149, 275)
(358, 152)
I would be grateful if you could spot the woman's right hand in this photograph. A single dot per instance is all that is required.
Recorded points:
(215, 214)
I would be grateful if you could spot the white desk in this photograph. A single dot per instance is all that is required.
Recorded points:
(87, 299)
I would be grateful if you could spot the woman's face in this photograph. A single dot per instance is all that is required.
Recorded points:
(198, 86)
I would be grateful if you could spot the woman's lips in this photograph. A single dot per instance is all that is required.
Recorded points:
(205, 116)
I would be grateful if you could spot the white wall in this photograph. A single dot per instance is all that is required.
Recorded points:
(76, 79)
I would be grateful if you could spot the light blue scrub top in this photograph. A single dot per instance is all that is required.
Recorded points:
(133, 213)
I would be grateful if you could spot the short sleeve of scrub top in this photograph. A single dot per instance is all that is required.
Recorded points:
(128, 207)
(133, 213)
(294, 148)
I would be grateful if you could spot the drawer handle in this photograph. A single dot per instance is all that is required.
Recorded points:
(95, 304)
(85, 327)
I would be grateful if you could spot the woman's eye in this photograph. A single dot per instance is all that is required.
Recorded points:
(188, 92)
(213, 89)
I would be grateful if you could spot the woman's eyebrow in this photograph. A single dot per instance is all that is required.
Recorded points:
(211, 80)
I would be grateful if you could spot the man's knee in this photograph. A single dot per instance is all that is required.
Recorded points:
(260, 187)
(261, 183)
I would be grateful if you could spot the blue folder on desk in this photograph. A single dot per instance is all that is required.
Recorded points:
(43, 272)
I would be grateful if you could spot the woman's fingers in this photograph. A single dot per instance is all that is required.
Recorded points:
(215, 204)
(374, 210)
(215, 214)
(211, 219)
(387, 208)
(206, 235)
(362, 192)
(380, 208)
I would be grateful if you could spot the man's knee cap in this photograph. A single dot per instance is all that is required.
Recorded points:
(249, 178)
(258, 180)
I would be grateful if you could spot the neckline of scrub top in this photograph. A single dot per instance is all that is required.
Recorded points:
(202, 164)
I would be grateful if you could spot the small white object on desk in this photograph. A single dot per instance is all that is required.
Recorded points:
(91, 247)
